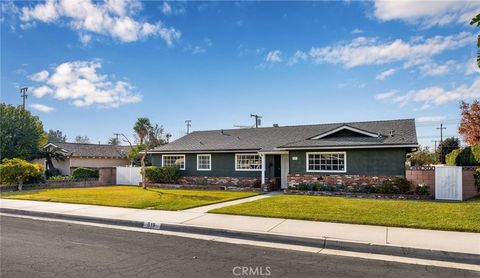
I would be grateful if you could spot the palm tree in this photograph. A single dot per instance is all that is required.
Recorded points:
(52, 153)
(141, 128)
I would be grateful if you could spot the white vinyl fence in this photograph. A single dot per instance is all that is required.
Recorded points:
(448, 183)
(129, 175)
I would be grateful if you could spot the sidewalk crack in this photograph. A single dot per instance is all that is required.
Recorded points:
(276, 225)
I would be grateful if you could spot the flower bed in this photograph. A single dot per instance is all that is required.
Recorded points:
(397, 188)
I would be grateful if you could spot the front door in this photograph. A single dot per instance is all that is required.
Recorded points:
(284, 171)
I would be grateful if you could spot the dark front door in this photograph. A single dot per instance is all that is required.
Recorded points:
(274, 171)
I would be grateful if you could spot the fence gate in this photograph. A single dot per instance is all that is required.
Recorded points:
(129, 175)
(448, 183)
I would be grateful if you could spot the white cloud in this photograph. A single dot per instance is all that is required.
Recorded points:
(42, 91)
(434, 69)
(386, 95)
(166, 8)
(472, 67)
(437, 96)
(369, 51)
(357, 31)
(431, 118)
(198, 49)
(114, 18)
(427, 13)
(85, 38)
(41, 107)
(385, 74)
(274, 56)
(80, 83)
(297, 57)
(39, 76)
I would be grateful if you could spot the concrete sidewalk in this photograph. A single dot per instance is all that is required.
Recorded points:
(377, 235)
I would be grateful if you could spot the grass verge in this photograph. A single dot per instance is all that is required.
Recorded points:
(130, 197)
(461, 216)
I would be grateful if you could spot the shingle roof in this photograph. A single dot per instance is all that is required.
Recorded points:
(274, 138)
(94, 150)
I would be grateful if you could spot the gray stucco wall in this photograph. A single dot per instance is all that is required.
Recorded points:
(223, 165)
(366, 162)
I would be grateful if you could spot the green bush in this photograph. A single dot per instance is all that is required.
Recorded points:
(477, 179)
(52, 172)
(18, 171)
(422, 189)
(85, 173)
(167, 174)
(469, 156)
(402, 184)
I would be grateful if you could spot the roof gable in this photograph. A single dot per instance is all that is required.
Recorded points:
(345, 131)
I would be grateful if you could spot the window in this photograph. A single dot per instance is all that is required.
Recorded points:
(248, 162)
(327, 162)
(174, 160)
(204, 162)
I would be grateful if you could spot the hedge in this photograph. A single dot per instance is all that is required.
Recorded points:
(468, 156)
(19, 171)
(85, 173)
(167, 174)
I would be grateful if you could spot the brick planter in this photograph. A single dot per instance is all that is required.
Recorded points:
(203, 187)
(54, 184)
(345, 180)
(359, 195)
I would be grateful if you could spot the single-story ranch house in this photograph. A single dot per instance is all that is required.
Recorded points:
(89, 156)
(346, 153)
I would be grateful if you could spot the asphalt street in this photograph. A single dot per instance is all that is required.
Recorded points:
(34, 248)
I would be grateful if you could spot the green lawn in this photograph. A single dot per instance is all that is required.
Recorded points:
(130, 197)
(464, 216)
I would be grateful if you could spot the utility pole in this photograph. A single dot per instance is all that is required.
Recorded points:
(188, 123)
(23, 94)
(116, 137)
(441, 132)
(435, 141)
(257, 119)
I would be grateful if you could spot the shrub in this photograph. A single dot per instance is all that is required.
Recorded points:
(402, 184)
(18, 171)
(422, 189)
(167, 174)
(85, 173)
(60, 178)
(476, 175)
(469, 156)
(52, 172)
(388, 187)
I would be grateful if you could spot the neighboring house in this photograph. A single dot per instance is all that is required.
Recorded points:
(89, 155)
(347, 153)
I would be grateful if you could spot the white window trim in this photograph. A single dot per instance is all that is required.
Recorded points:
(250, 170)
(326, 171)
(209, 166)
(184, 160)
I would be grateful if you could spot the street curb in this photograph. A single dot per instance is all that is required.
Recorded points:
(327, 243)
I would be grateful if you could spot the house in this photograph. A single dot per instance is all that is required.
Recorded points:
(89, 156)
(346, 153)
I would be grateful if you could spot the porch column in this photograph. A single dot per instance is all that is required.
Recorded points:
(263, 168)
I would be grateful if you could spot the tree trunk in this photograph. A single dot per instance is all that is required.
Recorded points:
(20, 186)
(142, 163)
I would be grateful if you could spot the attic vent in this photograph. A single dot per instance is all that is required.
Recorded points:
(275, 125)
(391, 133)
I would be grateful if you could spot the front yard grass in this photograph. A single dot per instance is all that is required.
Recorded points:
(130, 197)
(464, 216)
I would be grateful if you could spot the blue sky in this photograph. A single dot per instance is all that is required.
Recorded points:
(93, 68)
